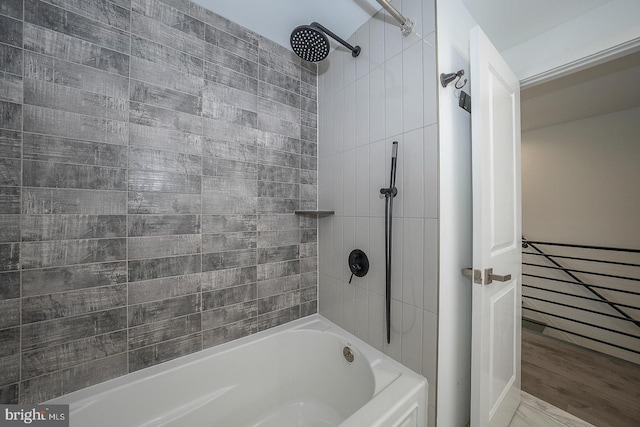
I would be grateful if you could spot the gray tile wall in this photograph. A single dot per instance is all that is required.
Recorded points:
(151, 156)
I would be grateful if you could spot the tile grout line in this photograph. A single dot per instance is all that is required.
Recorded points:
(20, 373)
(126, 213)
(202, 175)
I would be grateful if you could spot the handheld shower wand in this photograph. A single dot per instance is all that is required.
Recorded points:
(389, 194)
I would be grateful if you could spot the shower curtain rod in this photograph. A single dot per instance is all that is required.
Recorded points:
(406, 24)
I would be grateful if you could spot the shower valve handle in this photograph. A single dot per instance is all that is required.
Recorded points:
(389, 192)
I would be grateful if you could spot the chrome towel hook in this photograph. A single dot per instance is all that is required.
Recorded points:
(446, 78)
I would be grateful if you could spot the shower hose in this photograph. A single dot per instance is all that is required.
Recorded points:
(389, 194)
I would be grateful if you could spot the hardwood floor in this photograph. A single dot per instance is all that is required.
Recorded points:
(599, 389)
(534, 412)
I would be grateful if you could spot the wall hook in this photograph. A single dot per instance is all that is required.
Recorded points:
(446, 78)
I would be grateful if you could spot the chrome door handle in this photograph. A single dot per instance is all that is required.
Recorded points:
(498, 278)
(489, 277)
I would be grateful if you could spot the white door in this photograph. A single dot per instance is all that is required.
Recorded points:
(496, 312)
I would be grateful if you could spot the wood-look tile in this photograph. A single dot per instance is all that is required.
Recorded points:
(229, 296)
(37, 201)
(229, 332)
(49, 174)
(164, 267)
(51, 17)
(10, 288)
(48, 148)
(230, 60)
(106, 12)
(228, 242)
(163, 246)
(52, 43)
(9, 372)
(73, 303)
(10, 309)
(236, 45)
(161, 54)
(165, 98)
(68, 355)
(163, 75)
(267, 288)
(228, 278)
(155, 311)
(50, 95)
(276, 318)
(75, 126)
(141, 136)
(164, 182)
(9, 256)
(12, 8)
(70, 252)
(212, 319)
(11, 59)
(171, 17)
(41, 335)
(163, 225)
(77, 76)
(45, 387)
(153, 333)
(67, 278)
(10, 31)
(164, 351)
(67, 227)
(164, 288)
(231, 259)
(10, 143)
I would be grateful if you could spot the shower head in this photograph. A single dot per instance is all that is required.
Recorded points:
(310, 42)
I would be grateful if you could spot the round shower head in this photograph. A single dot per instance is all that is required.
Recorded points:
(309, 43)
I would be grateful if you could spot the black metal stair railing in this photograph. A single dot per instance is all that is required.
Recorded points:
(547, 292)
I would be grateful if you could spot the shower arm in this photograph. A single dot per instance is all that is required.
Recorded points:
(406, 24)
(355, 51)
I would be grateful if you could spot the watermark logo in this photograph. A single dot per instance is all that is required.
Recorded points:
(34, 415)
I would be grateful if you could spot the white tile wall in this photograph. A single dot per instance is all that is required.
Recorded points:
(389, 92)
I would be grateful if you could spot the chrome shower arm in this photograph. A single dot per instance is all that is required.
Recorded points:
(406, 24)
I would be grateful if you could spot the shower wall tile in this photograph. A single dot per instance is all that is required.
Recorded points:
(230, 332)
(151, 155)
(48, 386)
(62, 21)
(164, 351)
(395, 99)
(11, 95)
(12, 8)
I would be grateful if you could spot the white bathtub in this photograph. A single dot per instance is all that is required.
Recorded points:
(291, 375)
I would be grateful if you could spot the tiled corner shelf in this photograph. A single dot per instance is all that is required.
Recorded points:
(314, 213)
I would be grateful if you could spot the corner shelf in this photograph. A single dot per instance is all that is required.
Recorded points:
(317, 214)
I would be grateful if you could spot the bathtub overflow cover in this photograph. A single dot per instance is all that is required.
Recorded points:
(348, 354)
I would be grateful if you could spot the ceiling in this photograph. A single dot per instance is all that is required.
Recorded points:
(603, 89)
(511, 22)
(506, 22)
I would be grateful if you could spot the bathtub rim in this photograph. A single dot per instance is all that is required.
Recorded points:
(381, 364)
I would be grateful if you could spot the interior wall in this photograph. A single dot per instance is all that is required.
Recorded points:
(579, 181)
(386, 94)
(151, 156)
(454, 332)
